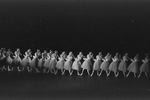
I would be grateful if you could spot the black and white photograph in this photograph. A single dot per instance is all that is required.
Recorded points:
(74, 49)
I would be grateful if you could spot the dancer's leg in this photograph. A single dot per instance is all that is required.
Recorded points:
(82, 72)
(56, 71)
(115, 74)
(100, 72)
(118, 73)
(88, 71)
(128, 74)
(69, 72)
(108, 73)
(97, 72)
(139, 75)
(134, 74)
(78, 73)
(146, 75)
(62, 72)
(92, 72)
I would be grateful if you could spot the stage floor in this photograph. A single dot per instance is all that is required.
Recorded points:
(33, 86)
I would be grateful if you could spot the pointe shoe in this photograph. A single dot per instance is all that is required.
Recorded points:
(127, 75)
(70, 73)
(116, 75)
(18, 69)
(29, 70)
(79, 74)
(63, 74)
(108, 74)
(9, 69)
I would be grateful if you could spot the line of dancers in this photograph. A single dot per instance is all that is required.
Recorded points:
(51, 62)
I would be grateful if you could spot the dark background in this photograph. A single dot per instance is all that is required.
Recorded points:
(76, 25)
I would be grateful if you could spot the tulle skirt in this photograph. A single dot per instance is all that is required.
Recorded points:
(34, 62)
(144, 68)
(113, 66)
(60, 64)
(68, 65)
(25, 62)
(104, 66)
(96, 65)
(86, 65)
(9, 60)
(76, 65)
(133, 67)
(46, 64)
(41, 62)
(52, 63)
(16, 62)
(123, 66)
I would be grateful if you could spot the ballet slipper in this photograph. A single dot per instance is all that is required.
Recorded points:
(100, 73)
(117, 74)
(127, 74)
(80, 74)
(108, 74)
(92, 73)
(139, 76)
(9, 69)
(146, 75)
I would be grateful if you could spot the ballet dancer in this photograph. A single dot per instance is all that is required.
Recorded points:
(16, 61)
(144, 68)
(26, 60)
(105, 64)
(77, 64)
(86, 65)
(7, 60)
(34, 61)
(68, 63)
(133, 67)
(123, 65)
(47, 61)
(97, 63)
(53, 62)
(42, 61)
(114, 65)
(60, 63)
